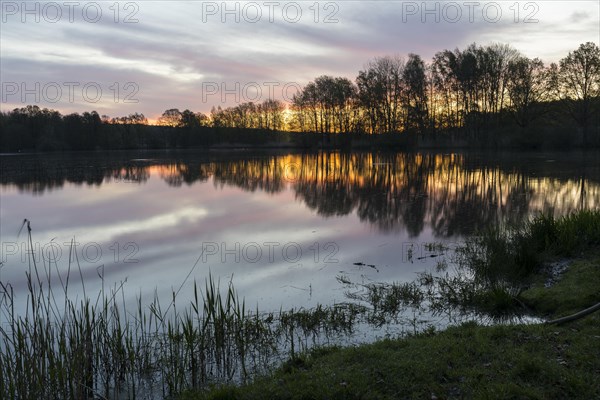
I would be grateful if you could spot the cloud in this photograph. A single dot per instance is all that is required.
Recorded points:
(176, 48)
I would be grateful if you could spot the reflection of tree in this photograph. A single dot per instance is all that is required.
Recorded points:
(38, 174)
(250, 174)
(132, 173)
(328, 198)
(180, 172)
(519, 195)
(454, 194)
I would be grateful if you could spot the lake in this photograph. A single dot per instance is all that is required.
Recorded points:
(284, 226)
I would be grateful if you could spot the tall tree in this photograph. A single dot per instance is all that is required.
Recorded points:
(444, 70)
(380, 89)
(325, 105)
(270, 114)
(344, 94)
(415, 96)
(528, 89)
(494, 61)
(579, 76)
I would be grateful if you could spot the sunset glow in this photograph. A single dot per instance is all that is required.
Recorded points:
(172, 50)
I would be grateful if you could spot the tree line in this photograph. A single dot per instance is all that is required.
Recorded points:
(473, 94)
(475, 89)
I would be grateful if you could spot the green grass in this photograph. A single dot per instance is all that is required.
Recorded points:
(96, 347)
(495, 268)
(468, 361)
(535, 361)
(578, 288)
(489, 273)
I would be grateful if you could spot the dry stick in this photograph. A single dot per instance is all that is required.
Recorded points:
(575, 316)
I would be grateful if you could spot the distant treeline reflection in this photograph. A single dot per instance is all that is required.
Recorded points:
(454, 193)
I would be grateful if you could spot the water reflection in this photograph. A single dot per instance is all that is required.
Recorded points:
(454, 194)
(155, 223)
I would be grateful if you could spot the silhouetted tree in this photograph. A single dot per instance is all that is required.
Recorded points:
(326, 105)
(579, 76)
(171, 117)
(415, 95)
(444, 70)
(463, 92)
(528, 89)
(380, 93)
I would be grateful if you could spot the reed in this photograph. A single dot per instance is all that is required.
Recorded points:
(488, 272)
(69, 347)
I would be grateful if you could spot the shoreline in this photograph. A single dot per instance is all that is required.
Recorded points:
(467, 361)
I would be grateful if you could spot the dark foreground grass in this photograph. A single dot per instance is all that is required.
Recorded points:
(536, 361)
(64, 347)
(578, 288)
(468, 361)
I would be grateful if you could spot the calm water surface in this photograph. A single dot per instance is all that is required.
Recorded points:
(285, 226)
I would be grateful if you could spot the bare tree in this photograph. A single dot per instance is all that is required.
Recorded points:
(415, 95)
(579, 79)
(380, 89)
(528, 89)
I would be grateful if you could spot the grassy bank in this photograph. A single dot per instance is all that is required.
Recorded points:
(72, 347)
(469, 361)
(538, 361)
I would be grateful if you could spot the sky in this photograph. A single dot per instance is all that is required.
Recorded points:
(121, 57)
